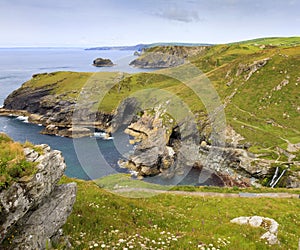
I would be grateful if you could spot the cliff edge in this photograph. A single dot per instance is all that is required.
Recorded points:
(34, 208)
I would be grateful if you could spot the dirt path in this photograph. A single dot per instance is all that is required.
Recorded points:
(210, 194)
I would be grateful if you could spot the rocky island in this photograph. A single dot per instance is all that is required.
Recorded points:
(103, 62)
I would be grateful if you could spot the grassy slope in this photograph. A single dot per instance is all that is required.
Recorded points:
(181, 222)
(13, 164)
(265, 117)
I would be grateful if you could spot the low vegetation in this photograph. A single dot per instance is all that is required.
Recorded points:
(125, 181)
(13, 164)
(103, 220)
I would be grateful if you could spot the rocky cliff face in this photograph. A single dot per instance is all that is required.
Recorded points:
(157, 60)
(159, 152)
(35, 208)
(165, 56)
(54, 112)
(151, 155)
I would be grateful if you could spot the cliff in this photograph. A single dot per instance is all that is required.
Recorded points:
(52, 104)
(169, 150)
(35, 207)
(165, 56)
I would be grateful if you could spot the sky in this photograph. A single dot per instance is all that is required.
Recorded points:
(87, 23)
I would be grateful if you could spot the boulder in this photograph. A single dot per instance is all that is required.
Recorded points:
(257, 221)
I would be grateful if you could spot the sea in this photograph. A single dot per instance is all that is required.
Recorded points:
(86, 158)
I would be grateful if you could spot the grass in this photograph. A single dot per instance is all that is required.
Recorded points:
(274, 41)
(13, 164)
(117, 181)
(122, 181)
(168, 221)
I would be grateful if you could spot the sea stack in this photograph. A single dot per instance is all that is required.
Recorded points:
(103, 62)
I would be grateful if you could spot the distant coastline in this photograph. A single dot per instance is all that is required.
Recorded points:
(140, 47)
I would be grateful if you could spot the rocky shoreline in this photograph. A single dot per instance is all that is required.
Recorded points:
(162, 150)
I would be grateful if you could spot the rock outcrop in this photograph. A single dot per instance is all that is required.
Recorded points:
(103, 62)
(165, 56)
(257, 221)
(169, 150)
(35, 208)
(151, 155)
(157, 60)
(250, 69)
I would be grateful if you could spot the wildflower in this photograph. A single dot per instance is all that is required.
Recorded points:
(102, 245)
(96, 244)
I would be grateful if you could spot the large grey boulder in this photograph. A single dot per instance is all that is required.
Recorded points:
(258, 221)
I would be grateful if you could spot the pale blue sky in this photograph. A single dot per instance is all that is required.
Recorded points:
(88, 23)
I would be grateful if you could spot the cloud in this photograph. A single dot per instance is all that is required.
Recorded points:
(178, 14)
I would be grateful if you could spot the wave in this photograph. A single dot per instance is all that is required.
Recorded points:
(23, 118)
(6, 77)
(103, 136)
(62, 67)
